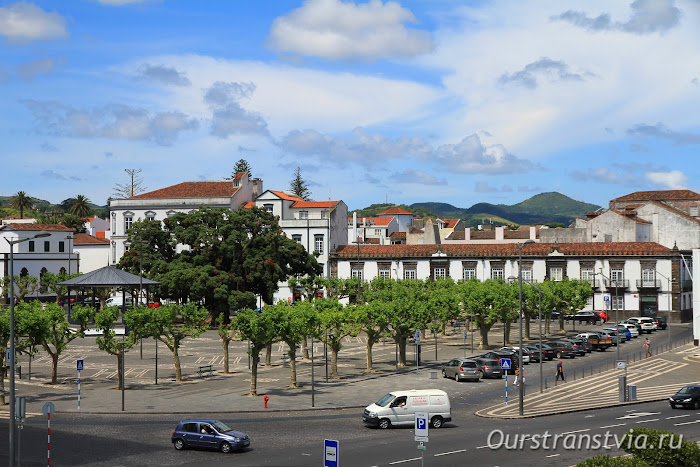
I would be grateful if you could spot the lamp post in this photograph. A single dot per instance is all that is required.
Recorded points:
(11, 363)
(668, 312)
(617, 305)
(520, 327)
(539, 318)
(69, 238)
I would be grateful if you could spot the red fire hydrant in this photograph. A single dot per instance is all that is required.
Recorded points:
(266, 398)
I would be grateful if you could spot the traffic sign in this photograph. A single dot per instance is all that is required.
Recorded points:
(505, 363)
(80, 365)
(621, 365)
(421, 426)
(606, 298)
(331, 453)
(48, 408)
(417, 336)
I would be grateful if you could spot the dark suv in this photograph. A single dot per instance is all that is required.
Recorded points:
(489, 367)
(499, 354)
(660, 322)
(563, 349)
(547, 351)
(208, 434)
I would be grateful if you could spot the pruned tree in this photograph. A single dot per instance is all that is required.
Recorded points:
(298, 186)
(132, 188)
(259, 329)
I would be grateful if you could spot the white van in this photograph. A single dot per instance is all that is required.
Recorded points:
(117, 301)
(400, 407)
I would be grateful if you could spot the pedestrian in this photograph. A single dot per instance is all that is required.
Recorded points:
(517, 375)
(560, 370)
(647, 346)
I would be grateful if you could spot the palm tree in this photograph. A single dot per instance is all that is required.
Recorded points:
(21, 201)
(81, 206)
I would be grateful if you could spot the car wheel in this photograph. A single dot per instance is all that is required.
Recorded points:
(558, 354)
(457, 377)
(179, 444)
(673, 406)
(696, 405)
(481, 375)
(436, 421)
(444, 375)
(225, 447)
(384, 423)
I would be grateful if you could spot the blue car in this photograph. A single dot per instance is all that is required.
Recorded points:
(208, 434)
(623, 332)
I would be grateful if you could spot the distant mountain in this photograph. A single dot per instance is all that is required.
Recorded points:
(545, 208)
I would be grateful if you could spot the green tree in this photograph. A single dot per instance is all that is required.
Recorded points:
(227, 333)
(77, 224)
(50, 282)
(337, 323)
(81, 206)
(241, 166)
(371, 318)
(161, 323)
(108, 341)
(4, 345)
(480, 300)
(292, 324)
(259, 329)
(24, 285)
(21, 201)
(298, 185)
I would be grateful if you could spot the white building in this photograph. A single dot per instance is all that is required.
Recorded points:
(629, 277)
(92, 252)
(184, 197)
(377, 230)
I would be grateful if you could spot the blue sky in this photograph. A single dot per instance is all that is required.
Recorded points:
(401, 101)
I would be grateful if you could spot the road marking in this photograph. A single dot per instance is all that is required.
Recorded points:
(686, 423)
(637, 415)
(482, 447)
(647, 421)
(404, 461)
(612, 426)
(450, 452)
(553, 455)
(677, 416)
(577, 431)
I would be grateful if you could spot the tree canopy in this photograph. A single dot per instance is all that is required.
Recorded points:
(299, 187)
(241, 166)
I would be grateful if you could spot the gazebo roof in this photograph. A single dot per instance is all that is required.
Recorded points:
(108, 276)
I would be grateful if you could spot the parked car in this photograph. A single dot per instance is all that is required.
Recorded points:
(603, 315)
(579, 346)
(588, 317)
(688, 396)
(609, 335)
(563, 349)
(648, 324)
(399, 408)
(208, 434)
(514, 349)
(660, 322)
(621, 333)
(636, 324)
(499, 354)
(461, 368)
(596, 341)
(535, 353)
(547, 351)
(634, 332)
(489, 367)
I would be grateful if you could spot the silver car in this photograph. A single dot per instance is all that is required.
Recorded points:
(461, 368)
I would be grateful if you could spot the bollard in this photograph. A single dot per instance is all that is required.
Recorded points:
(266, 398)
(622, 387)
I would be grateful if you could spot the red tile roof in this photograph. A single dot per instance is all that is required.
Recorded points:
(450, 223)
(86, 239)
(660, 195)
(398, 235)
(36, 227)
(249, 205)
(394, 211)
(222, 189)
(375, 220)
(456, 235)
(505, 249)
(286, 196)
(315, 204)
(239, 175)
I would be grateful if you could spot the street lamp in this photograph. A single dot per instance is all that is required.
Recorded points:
(11, 363)
(617, 306)
(69, 238)
(668, 312)
(520, 321)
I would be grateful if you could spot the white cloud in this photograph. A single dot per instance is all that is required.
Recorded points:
(337, 30)
(416, 176)
(672, 180)
(605, 175)
(163, 74)
(471, 156)
(26, 22)
(648, 16)
(228, 117)
(29, 70)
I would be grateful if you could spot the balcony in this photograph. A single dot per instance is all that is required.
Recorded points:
(648, 284)
(617, 284)
(595, 283)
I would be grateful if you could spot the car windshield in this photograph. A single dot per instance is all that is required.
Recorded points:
(384, 401)
(221, 427)
(689, 390)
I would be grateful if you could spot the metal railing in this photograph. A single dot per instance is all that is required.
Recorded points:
(648, 283)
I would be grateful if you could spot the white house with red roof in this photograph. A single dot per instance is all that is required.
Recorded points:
(97, 227)
(184, 197)
(92, 251)
(376, 230)
(403, 217)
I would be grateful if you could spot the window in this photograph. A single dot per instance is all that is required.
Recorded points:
(588, 274)
(318, 243)
(61, 247)
(469, 273)
(128, 220)
(114, 252)
(296, 238)
(497, 273)
(526, 273)
(303, 214)
(608, 238)
(694, 211)
(616, 275)
(409, 273)
(439, 273)
(324, 214)
(357, 272)
(385, 273)
(556, 274)
(618, 302)
(47, 246)
(377, 232)
(150, 217)
(24, 272)
(268, 207)
(648, 277)
(31, 246)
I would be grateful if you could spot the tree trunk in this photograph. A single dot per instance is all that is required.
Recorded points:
(178, 369)
(370, 343)
(546, 324)
(120, 371)
(293, 366)
(506, 333)
(54, 367)
(401, 341)
(268, 355)
(335, 348)
(304, 346)
(255, 358)
(527, 327)
(484, 333)
(224, 344)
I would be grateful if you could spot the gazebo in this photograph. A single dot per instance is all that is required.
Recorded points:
(109, 277)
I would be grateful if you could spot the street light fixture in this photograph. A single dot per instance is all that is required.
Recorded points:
(11, 363)
(520, 321)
